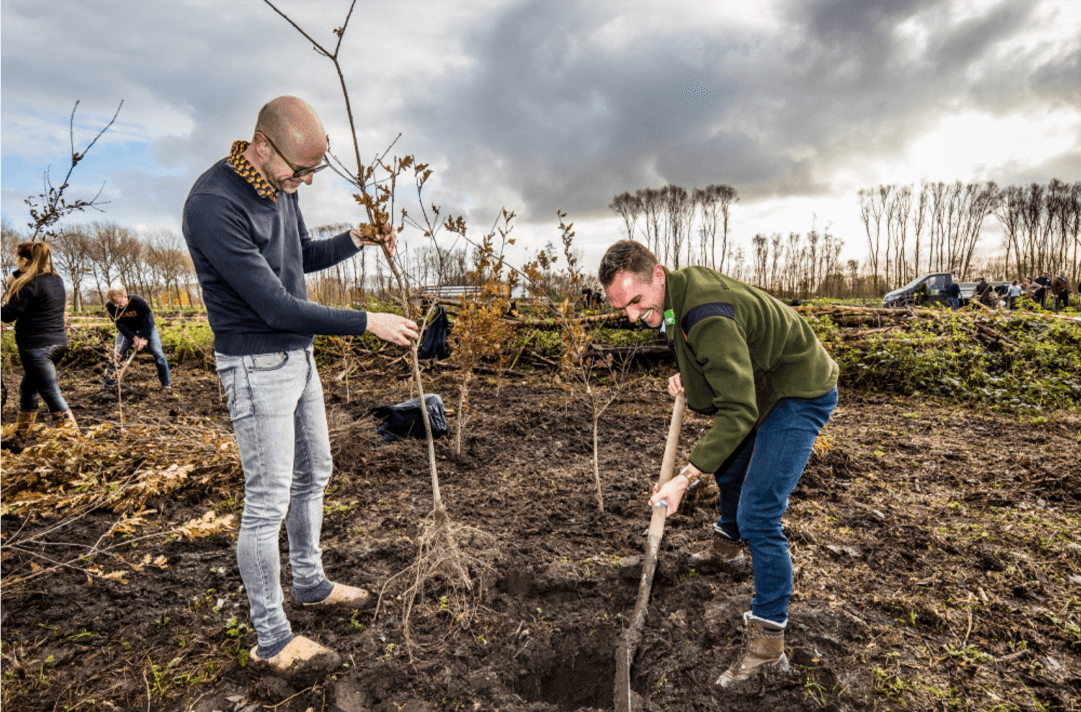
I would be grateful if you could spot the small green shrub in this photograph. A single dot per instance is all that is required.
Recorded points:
(187, 340)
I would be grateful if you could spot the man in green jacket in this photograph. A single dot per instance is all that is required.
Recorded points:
(757, 367)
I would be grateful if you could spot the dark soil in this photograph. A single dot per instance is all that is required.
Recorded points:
(937, 556)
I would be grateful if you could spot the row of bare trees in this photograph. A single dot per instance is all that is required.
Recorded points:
(909, 231)
(92, 257)
(935, 227)
(1041, 227)
(802, 265)
(672, 217)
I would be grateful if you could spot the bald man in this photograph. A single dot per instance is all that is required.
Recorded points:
(251, 249)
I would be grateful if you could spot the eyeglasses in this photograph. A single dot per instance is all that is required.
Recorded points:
(298, 172)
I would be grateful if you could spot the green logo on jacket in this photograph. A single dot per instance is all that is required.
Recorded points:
(669, 318)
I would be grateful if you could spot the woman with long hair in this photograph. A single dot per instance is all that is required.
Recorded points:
(35, 301)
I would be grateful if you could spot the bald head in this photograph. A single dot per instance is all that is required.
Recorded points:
(293, 122)
(289, 137)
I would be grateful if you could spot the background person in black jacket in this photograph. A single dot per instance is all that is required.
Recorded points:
(985, 294)
(953, 295)
(135, 324)
(1043, 283)
(1060, 292)
(35, 301)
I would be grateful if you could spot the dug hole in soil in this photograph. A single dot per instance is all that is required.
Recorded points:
(936, 554)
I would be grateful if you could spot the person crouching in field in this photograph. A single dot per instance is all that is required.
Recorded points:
(35, 301)
(758, 368)
(135, 324)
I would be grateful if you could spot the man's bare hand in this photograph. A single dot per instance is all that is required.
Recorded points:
(392, 328)
(140, 343)
(675, 385)
(368, 235)
(671, 492)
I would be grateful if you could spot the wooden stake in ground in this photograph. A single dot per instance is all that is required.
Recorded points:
(631, 637)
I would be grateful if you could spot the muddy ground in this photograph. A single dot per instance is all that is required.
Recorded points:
(937, 556)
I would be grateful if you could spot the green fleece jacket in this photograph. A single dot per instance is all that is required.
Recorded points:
(739, 351)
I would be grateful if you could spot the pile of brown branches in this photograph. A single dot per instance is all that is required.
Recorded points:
(116, 469)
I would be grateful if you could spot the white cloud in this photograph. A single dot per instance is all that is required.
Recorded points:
(537, 106)
(977, 145)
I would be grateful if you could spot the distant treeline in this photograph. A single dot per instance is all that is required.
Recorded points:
(935, 227)
(910, 230)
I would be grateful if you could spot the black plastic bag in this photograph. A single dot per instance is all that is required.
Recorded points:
(434, 344)
(404, 420)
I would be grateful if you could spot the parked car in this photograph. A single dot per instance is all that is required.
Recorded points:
(931, 288)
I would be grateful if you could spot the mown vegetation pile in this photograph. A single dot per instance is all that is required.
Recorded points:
(1017, 361)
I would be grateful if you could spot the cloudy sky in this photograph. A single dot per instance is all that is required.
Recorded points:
(546, 105)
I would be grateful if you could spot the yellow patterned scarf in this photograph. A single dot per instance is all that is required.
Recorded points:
(247, 171)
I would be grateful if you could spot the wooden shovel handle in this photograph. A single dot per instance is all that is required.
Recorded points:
(672, 446)
(624, 698)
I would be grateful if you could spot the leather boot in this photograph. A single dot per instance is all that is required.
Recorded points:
(24, 422)
(65, 421)
(762, 651)
(723, 553)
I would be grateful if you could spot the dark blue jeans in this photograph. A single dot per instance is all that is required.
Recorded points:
(39, 377)
(123, 344)
(754, 485)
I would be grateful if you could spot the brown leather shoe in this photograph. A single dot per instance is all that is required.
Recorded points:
(762, 651)
(342, 596)
(301, 659)
(722, 553)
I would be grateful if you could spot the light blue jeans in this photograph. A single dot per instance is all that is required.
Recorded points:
(123, 344)
(276, 405)
(755, 482)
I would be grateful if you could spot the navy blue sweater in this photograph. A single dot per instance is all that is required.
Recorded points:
(38, 312)
(251, 254)
(135, 320)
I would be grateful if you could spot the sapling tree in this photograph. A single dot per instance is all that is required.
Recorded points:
(53, 206)
(481, 330)
(439, 556)
(579, 362)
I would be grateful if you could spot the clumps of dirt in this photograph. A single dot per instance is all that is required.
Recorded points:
(935, 549)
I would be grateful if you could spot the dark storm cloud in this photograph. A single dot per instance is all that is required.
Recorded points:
(568, 125)
(857, 86)
(533, 104)
(1058, 81)
(971, 39)
(574, 124)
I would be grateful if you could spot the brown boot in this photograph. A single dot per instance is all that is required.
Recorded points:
(762, 651)
(24, 422)
(65, 421)
(723, 552)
